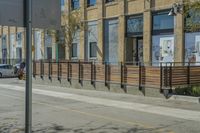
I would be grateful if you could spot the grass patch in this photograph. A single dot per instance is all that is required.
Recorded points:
(193, 90)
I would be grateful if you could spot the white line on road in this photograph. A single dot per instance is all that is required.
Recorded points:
(147, 108)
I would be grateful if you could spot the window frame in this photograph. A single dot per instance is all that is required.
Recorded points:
(72, 53)
(74, 6)
(89, 4)
(132, 34)
(90, 50)
(109, 1)
(161, 31)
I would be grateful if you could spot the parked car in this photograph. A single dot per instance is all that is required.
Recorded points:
(16, 68)
(6, 70)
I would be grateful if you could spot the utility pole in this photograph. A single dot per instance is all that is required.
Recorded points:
(28, 25)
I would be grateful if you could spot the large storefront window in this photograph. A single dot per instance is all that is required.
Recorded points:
(111, 41)
(192, 36)
(162, 38)
(162, 49)
(192, 47)
(134, 25)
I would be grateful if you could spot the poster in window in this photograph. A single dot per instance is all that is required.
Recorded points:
(197, 48)
(167, 49)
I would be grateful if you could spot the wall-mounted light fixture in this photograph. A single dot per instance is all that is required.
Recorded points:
(176, 8)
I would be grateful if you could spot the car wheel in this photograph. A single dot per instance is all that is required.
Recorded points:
(0, 75)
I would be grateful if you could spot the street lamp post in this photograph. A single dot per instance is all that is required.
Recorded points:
(28, 24)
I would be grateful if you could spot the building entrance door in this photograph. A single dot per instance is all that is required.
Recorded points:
(134, 50)
(139, 50)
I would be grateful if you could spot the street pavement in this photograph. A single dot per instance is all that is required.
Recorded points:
(65, 110)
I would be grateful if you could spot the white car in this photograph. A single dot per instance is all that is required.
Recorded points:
(6, 70)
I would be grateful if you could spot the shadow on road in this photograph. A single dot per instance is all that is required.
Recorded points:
(16, 127)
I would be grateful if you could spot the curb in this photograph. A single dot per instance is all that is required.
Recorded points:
(185, 98)
(173, 97)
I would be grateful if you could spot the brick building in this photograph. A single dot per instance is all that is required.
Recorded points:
(133, 30)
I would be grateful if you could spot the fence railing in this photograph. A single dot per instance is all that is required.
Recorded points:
(124, 74)
(162, 76)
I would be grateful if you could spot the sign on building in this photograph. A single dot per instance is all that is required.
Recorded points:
(45, 13)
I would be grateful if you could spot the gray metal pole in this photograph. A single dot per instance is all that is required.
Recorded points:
(28, 24)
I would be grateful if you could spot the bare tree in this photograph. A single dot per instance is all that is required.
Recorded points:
(72, 24)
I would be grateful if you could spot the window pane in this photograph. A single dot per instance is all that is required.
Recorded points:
(192, 48)
(134, 25)
(62, 5)
(162, 21)
(107, 1)
(75, 4)
(91, 2)
(49, 52)
(162, 49)
(74, 50)
(93, 49)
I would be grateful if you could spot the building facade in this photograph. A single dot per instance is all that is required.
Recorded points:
(133, 31)
(13, 48)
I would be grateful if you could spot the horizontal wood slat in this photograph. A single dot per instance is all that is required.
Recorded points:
(121, 74)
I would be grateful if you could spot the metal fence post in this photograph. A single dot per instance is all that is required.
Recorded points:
(109, 75)
(79, 71)
(170, 77)
(122, 75)
(34, 69)
(105, 73)
(41, 69)
(161, 77)
(188, 74)
(68, 70)
(140, 76)
(49, 70)
(165, 76)
(94, 74)
(91, 73)
(58, 70)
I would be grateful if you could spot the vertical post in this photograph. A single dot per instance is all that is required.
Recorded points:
(188, 74)
(140, 76)
(41, 69)
(49, 69)
(92, 73)
(166, 75)
(105, 67)
(161, 77)
(122, 75)
(58, 70)
(34, 69)
(79, 71)
(170, 78)
(68, 71)
(28, 24)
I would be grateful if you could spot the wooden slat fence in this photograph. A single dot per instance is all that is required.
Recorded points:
(160, 77)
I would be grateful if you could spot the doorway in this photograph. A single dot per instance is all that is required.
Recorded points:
(134, 50)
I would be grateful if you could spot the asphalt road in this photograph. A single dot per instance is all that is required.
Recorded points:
(64, 110)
